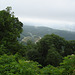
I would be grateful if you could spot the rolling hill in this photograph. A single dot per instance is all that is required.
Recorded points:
(35, 33)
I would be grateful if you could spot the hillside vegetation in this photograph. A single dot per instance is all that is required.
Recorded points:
(51, 55)
(35, 33)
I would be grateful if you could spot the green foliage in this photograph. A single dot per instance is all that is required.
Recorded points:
(53, 57)
(10, 29)
(33, 55)
(2, 50)
(14, 65)
(50, 47)
(70, 47)
(10, 26)
(9, 65)
(69, 65)
(50, 70)
(52, 40)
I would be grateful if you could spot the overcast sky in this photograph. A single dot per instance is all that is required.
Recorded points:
(42, 11)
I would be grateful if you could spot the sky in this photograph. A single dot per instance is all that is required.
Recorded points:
(43, 12)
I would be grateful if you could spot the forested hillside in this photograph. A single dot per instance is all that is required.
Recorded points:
(51, 55)
(34, 33)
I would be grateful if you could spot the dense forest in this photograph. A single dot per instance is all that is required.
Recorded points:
(51, 55)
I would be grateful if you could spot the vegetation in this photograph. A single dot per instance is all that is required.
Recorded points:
(13, 65)
(10, 29)
(51, 55)
(36, 32)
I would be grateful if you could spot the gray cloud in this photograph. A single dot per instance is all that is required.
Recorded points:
(47, 9)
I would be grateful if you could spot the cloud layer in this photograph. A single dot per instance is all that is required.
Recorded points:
(57, 10)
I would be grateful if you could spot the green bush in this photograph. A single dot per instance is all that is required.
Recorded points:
(50, 70)
(68, 64)
(12, 65)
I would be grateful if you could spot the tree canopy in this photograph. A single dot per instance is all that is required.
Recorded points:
(10, 28)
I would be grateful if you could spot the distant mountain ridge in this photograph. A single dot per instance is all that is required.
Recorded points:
(36, 32)
(67, 27)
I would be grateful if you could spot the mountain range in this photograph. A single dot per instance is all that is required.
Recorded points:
(37, 32)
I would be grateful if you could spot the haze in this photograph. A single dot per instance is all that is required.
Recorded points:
(58, 14)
